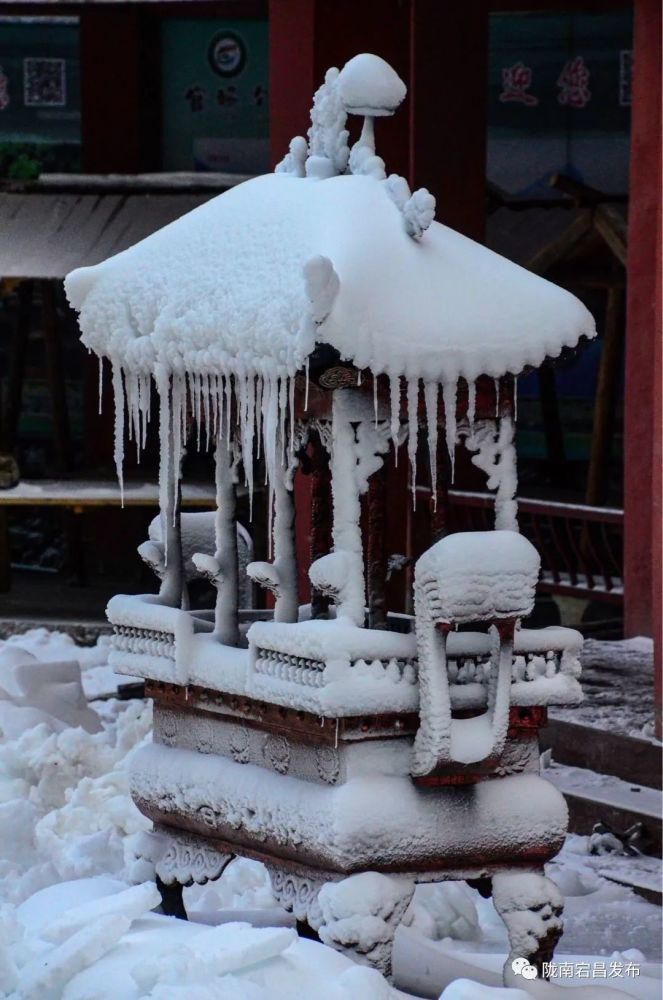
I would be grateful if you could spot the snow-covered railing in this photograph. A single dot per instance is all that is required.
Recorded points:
(580, 546)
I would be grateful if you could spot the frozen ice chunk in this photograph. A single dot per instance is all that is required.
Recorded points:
(50, 971)
(131, 903)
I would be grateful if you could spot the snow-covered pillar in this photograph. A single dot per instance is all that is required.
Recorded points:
(226, 618)
(286, 608)
(358, 442)
(172, 583)
(493, 442)
(348, 407)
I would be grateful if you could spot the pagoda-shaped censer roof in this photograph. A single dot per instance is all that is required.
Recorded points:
(328, 249)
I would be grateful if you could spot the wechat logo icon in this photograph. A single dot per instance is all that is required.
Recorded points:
(521, 967)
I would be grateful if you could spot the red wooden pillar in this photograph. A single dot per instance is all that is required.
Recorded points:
(642, 498)
(448, 87)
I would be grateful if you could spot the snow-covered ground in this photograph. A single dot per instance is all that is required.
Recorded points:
(76, 908)
(618, 687)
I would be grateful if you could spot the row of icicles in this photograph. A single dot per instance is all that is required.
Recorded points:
(264, 408)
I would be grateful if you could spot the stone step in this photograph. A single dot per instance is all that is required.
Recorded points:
(593, 797)
(626, 757)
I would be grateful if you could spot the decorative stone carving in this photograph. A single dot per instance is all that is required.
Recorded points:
(531, 907)
(381, 899)
(328, 763)
(277, 753)
(298, 894)
(187, 859)
(240, 745)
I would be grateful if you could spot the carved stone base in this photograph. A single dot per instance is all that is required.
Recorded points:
(531, 906)
(297, 892)
(181, 858)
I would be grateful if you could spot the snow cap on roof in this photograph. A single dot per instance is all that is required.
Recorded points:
(326, 250)
(369, 86)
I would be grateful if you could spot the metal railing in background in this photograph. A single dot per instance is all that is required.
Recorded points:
(580, 546)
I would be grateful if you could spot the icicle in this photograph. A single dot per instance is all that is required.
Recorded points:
(471, 403)
(135, 413)
(260, 392)
(129, 396)
(248, 433)
(214, 403)
(146, 406)
(118, 449)
(412, 437)
(179, 434)
(449, 390)
(282, 409)
(198, 384)
(101, 383)
(375, 399)
(206, 408)
(291, 417)
(228, 393)
(270, 523)
(395, 404)
(163, 387)
(306, 369)
(497, 396)
(359, 377)
(515, 399)
(430, 397)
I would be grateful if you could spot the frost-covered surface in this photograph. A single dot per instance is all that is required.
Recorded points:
(334, 667)
(618, 683)
(243, 306)
(181, 299)
(606, 790)
(346, 825)
(313, 254)
(473, 576)
(67, 828)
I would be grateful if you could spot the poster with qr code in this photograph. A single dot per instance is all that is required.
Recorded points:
(44, 83)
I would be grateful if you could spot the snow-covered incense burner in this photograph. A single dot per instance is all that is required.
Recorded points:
(335, 322)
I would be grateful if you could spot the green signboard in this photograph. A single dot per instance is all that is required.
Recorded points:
(559, 100)
(40, 109)
(215, 111)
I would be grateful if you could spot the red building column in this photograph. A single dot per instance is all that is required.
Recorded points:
(642, 416)
(448, 87)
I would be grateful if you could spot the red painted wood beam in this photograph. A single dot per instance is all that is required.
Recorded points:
(642, 511)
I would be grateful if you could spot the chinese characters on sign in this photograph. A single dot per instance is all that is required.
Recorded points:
(516, 81)
(196, 97)
(573, 82)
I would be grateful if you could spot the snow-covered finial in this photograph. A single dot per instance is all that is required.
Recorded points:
(328, 137)
(368, 86)
(294, 161)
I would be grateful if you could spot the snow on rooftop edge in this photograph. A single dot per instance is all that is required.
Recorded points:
(223, 289)
(328, 249)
